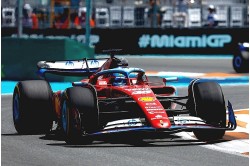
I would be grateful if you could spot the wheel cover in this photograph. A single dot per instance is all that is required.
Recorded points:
(16, 111)
(238, 61)
(64, 117)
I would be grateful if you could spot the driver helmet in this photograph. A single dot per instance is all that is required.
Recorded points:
(119, 80)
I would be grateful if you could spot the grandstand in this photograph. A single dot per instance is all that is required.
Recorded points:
(131, 13)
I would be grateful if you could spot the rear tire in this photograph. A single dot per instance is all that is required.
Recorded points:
(32, 107)
(80, 115)
(206, 100)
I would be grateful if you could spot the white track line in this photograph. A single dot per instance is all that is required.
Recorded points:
(236, 146)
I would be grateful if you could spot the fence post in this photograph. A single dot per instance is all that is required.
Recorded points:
(87, 30)
(20, 18)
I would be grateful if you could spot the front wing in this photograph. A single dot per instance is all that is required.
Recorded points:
(181, 125)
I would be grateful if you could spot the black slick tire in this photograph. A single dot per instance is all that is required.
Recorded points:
(80, 115)
(32, 107)
(240, 64)
(206, 100)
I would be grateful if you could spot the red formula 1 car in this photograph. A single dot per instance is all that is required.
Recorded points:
(115, 98)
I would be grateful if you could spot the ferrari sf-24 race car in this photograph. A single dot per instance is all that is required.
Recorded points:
(115, 98)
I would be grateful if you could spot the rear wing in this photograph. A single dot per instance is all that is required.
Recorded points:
(83, 67)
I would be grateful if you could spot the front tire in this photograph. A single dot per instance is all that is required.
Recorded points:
(206, 100)
(32, 107)
(80, 115)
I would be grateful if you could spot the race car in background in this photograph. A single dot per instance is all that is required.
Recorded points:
(241, 58)
(115, 98)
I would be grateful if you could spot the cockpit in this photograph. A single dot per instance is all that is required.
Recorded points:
(119, 77)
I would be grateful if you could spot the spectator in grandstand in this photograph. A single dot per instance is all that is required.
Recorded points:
(154, 13)
(57, 21)
(42, 18)
(181, 8)
(34, 19)
(62, 20)
(80, 21)
(27, 19)
(65, 19)
(73, 16)
(212, 18)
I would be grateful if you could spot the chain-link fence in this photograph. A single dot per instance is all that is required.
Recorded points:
(63, 14)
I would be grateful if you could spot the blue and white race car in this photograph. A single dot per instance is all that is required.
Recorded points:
(241, 58)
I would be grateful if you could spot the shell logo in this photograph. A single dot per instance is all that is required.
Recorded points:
(146, 99)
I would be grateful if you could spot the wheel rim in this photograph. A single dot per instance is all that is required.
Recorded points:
(64, 117)
(76, 121)
(16, 112)
(238, 61)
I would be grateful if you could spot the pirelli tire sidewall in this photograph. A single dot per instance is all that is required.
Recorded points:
(206, 100)
(84, 100)
(32, 107)
(209, 102)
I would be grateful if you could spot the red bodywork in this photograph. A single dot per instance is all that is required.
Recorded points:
(141, 92)
(146, 99)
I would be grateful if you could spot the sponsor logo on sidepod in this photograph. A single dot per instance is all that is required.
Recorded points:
(146, 99)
